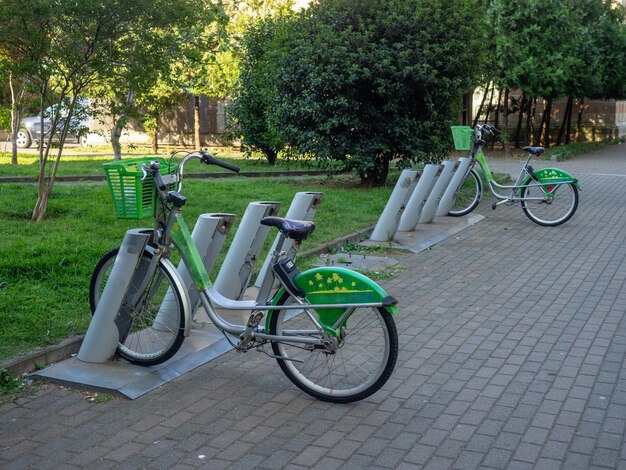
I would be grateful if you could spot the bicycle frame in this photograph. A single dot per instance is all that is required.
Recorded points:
(526, 178)
(211, 299)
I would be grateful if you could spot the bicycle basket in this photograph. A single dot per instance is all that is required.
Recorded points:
(132, 197)
(462, 136)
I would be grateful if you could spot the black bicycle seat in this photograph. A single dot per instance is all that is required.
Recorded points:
(534, 150)
(294, 229)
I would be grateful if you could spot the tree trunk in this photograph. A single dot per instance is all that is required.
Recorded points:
(496, 122)
(530, 119)
(270, 155)
(569, 123)
(490, 105)
(482, 104)
(579, 123)
(520, 117)
(539, 130)
(566, 113)
(116, 134)
(155, 135)
(378, 175)
(39, 212)
(547, 118)
(196, 122)
(41, 206)
(46, 184)
(17, 109)
(504, 137)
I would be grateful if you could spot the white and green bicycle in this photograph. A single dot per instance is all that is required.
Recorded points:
(330, 329)
(548, 196)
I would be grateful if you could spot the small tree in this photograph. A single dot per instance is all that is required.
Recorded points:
(156, 36)
(162, 97)
(367, 81)
(252, 113)
(212, 68)
(23, 44)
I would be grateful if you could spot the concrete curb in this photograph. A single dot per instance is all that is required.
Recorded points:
(48, 355)
(246, 174)
(63, 350)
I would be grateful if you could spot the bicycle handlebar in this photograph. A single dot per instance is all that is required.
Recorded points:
(204, 156)
(209, 159)
(488, 128)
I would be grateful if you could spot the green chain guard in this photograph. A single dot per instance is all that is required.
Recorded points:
(554, 176)
(335, 286)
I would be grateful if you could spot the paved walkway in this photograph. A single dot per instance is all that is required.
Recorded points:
(513, 341)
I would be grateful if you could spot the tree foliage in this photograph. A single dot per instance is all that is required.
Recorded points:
(361, 81)
(252, 114)
(557, 48)
(63, 48)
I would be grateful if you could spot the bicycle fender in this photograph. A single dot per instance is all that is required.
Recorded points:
(554, 175)
(331, 285)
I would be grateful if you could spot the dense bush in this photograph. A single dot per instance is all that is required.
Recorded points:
(251, 115)
(5, 118)
(364, 81)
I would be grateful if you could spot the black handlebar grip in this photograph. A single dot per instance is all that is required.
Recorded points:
(225, 165)
(211, 160)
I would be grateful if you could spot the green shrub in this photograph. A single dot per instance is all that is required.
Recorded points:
(5, 118)
(363, 81)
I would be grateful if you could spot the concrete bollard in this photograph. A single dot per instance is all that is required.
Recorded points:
(418, 198)
(447, 200)
(303, 207)
(390, 218)
(103, 335)
(236, 270)
(428, 212)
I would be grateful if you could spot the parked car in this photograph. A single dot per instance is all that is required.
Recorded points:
(30, 128)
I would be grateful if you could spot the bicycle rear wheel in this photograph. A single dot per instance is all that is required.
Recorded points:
(151, 322)
(360, 366)
(468, 195)
(550, 209)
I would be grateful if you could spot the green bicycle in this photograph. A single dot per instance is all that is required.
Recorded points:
(330, 329)
(548, 196)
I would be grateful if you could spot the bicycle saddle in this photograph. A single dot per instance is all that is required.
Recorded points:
(294, 229)
(534, 150)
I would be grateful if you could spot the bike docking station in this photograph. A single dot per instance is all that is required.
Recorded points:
(95, 367)
(415, 217)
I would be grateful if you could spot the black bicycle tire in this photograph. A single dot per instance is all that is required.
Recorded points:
(384, 371)
(476, 199)
(123, 350)
(535, 218)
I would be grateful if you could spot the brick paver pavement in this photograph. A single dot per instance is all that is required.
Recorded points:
(512, 337)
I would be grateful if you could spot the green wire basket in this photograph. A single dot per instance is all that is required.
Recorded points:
(132, 197)
(462, 136)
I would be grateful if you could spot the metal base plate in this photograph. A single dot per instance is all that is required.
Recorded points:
(428, 235)
(120, 377)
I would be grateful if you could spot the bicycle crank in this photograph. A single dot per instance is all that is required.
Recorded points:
(244, 338)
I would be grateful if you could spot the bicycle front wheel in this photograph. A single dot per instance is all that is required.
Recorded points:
(552, 204)
(359, 367)
(151, 322)
(468, 195)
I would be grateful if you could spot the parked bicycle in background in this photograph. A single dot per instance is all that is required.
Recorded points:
(548, 196)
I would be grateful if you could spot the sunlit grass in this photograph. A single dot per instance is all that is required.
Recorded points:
(46, 266)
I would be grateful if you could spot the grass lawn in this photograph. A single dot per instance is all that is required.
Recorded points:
(91, 164)
(46, 266)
